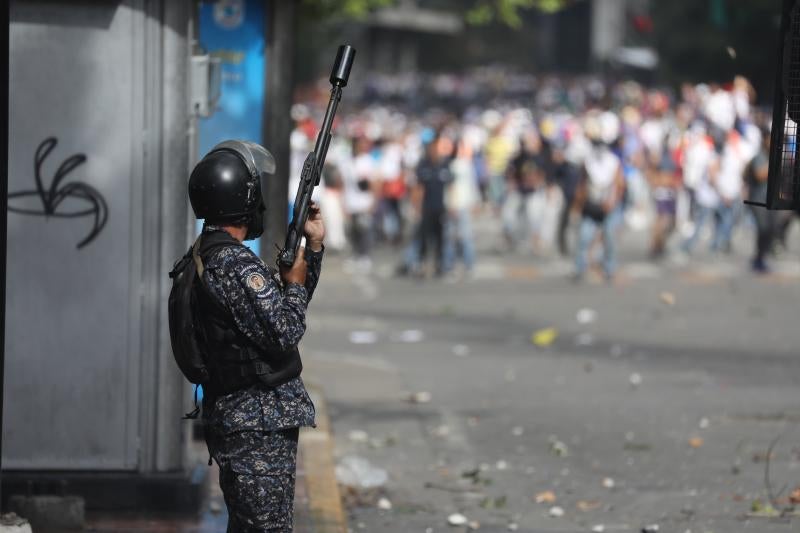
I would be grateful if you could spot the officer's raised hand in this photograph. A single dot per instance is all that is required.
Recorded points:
(314, 228)
(296, 274)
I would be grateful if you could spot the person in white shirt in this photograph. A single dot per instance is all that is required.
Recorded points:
(706, 194)
(599, 198)
(359, 199)
(737, 152)
(462, 197)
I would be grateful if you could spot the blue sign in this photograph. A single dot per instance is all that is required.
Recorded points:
(233, 30)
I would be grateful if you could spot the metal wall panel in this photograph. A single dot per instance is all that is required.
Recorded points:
(72, 326)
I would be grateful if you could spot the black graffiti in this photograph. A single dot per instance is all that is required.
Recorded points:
(53, 197)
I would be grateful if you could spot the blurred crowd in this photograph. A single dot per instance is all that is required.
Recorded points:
(564, 166)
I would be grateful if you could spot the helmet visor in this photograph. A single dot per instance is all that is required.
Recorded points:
(257, 158)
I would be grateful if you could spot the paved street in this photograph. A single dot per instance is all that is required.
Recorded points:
(655, 406)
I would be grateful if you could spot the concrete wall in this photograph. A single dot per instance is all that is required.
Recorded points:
(98, 100)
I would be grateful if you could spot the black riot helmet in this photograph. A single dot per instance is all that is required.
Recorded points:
(225, 186)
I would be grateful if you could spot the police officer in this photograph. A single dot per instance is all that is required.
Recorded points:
(250, 319)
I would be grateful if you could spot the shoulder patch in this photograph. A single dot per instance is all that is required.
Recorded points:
(257, 282)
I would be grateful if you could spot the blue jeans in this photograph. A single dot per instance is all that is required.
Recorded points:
(411, 254)
(726, 218)
(700, 216)
(459, 229)
(586, 232)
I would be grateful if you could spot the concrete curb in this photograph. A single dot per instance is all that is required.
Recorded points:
(325, 501)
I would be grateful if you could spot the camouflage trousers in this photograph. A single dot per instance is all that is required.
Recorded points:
(257, 477)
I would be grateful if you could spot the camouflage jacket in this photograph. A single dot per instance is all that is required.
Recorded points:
(268, 314)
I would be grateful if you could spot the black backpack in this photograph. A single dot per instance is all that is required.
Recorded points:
(232, 369)
(183, 330)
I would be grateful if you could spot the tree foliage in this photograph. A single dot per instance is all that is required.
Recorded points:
(475, 12)
(508, 11)
(347, 9)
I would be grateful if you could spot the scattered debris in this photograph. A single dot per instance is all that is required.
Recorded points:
(608, 482)
(544, 337)
(546, 496)
(442, 431)
(376, 443)
(501, 465)
(731, 51)
(652, 528)
(586, 316)
(517, 431)
(475, 476)
(494, 503)
(584, 339)
(447, 310)
(762, 457)
(587, 505)
(457, 519)
(461, 350)
(599, 528)
(557, 447)
(358, 473)
(736, 467)
(513, 526)
(384, 504)
(363, 337)
(474, 524)
(763, 509)
(704, 423)
(637, 447)
(420, 397)
(667, 298)
(358, 497)
(411, 336)
(358, 435)
(556, 512)
(635, 379)
(696, 442)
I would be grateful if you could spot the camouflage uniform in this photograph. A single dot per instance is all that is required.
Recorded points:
(252, 433)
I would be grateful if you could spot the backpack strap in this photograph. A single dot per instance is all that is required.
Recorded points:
(198, 261)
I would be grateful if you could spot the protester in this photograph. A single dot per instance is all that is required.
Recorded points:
(461, 200)
(360, 201)
(664, 182)
(598, 200)
(566, 174)
(525, 196)
(756, 175)
(533, 153)
(433, 177)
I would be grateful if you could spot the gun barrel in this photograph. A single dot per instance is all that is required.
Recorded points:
(341, 67)
(312, 169)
